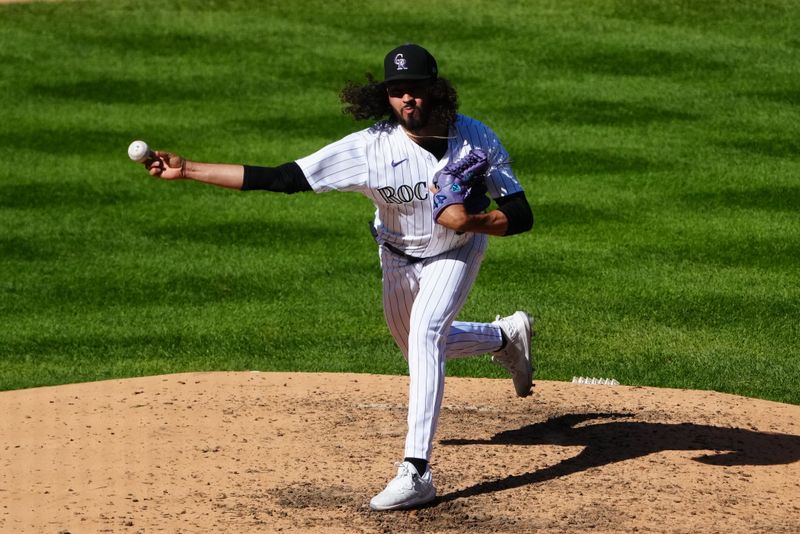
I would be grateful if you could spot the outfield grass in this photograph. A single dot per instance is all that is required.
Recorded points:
(658, 141)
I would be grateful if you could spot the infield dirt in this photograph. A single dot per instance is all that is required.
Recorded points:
(269, 452)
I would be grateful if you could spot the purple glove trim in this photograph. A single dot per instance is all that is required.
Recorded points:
(457, 179)
(452, 193)
(471, 166)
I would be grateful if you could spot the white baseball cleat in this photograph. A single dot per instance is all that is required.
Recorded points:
(516, 357)
(406, 490)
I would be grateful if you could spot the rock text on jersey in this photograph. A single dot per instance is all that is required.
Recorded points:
(404, 193)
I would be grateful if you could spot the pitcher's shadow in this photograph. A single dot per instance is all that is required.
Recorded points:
(616, 441)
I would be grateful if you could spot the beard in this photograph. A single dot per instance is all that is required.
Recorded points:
(414, 122)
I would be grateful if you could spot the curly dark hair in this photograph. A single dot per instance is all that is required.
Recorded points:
(369, 101)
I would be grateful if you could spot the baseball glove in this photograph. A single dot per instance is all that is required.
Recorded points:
(462, 182)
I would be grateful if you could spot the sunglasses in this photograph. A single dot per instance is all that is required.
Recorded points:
(414, 89)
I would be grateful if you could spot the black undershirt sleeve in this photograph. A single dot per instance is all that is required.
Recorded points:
(287, 178)
(518, 211)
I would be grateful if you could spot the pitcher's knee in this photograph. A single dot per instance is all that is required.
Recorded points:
(426, 340)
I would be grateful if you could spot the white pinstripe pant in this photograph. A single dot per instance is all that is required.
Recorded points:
(420, 303)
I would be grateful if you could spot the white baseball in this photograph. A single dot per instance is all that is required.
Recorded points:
(138, 151)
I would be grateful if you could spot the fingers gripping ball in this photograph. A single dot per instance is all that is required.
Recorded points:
(139, 152)
(456, 181)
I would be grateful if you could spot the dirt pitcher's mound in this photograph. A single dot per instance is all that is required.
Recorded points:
(263, 452)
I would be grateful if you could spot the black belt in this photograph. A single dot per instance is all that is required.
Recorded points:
(392, 248)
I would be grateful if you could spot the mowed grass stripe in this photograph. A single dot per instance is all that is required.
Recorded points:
(657, 142)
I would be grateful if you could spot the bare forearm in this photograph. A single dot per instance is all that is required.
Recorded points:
(171, 166)
(219, 174)
(456, 218)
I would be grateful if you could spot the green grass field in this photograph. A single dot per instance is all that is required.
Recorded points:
(658, 142)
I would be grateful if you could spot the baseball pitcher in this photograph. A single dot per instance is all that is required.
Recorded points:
(430, 173)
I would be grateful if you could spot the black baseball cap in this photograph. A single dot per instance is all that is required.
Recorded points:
(409, 62)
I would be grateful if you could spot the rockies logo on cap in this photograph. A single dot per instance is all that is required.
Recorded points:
(409, 62)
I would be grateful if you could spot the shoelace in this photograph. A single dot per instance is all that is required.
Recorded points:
(406, 475)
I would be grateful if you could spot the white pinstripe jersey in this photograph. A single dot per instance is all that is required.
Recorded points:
(395, 173)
